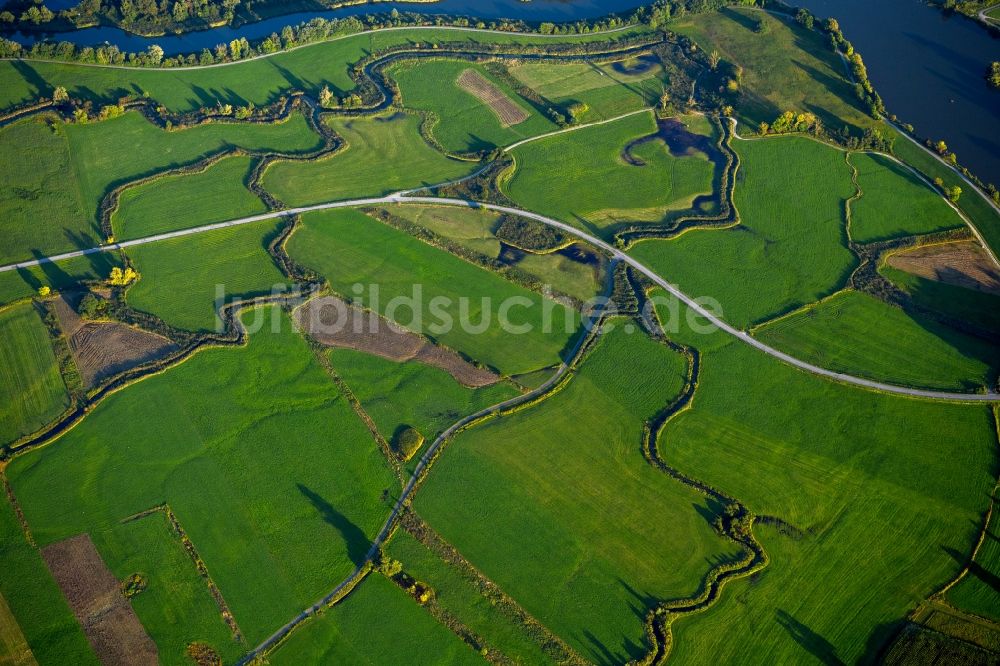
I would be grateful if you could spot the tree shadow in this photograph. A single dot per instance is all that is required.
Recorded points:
(355, 539)
(984, 575)
(37, 82)
(55, 276)
(814, 643)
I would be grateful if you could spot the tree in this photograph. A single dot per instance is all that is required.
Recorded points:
(155, 54)
(326, 98)
(44, 291)
(60, 94)
(407, 442)
(941, 147)
(954, 193)
(180, 12)
(664, 100)
(576, 110)
(993, 75)
(120, 278)
(805, 19)
(713, 60)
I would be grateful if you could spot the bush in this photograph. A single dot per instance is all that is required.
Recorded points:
(133, 585)
(407, 442)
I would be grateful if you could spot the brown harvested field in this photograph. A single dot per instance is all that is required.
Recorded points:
(504, 107)
(96, 598)
(103, 349)
(334, 323)
(14, 648)
(964, 264)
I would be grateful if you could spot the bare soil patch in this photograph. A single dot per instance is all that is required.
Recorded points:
(963, 264)
(95, 597)
(335, 323)
(504, 107)
(102, 349)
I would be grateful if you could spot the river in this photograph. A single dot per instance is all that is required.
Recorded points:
(930, 70)
(191, 42)
(928, 67)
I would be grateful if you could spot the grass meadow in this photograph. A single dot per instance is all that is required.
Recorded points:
(790, 247)
(466, 124)
(35, 600)
(462, 599)
(259, 81)
(473, 228)
(180, 276)
(977, 592)
(57, 178)
(377, 624)
(605, 90)
(383, 154)
(176, 608)
(350, 248)
(257, 435)
(104, 153)
(32, 392)
(976, 307)
(846, 467)
(855, 333)
(58, 275)
(557, 505)
(176, 202)
(412, 394)
(41, 205)
(785, 68)
(985, 218)
(895, 202)
(580, 176)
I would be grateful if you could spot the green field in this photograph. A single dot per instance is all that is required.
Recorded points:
(38, 605)
(57, 275)
(849, 468)
(790, 247)
(32, 392)
(461, 598)
(580, 176)
(607, 91)
(465, 123)
(104, 154)
(860, 335)
(258, 435)
(258, 81)
(976, 307)
(182, 278)
(978, 591)
(176, 607)
(39, 197)
(473, 229)
(349, 248)
(72, 169)
(557, 505)
(786, 68)
(895, 202)
(412, 394)
(383, 154)
(984, 216)
(177, 202)
(377, 624)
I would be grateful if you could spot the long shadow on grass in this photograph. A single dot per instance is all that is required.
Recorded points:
(985, 576)
(354, 537)
(815, 644)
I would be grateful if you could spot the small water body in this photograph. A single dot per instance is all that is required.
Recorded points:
(537, 10)
(929, 69)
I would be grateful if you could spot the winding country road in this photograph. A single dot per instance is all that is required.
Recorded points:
(613, 252)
